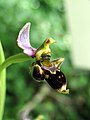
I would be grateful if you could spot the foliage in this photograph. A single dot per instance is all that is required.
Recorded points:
(48, 20)
(2, 83)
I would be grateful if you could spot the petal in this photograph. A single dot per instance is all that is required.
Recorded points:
(23, 37)
(57, 62)
(23, 40)
(29, 52)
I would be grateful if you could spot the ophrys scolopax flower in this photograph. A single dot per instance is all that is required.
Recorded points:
(43, 67)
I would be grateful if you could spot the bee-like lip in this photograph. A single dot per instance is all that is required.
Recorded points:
(54, 77)
(57, 81)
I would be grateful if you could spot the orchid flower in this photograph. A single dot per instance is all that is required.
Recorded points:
(43, 68)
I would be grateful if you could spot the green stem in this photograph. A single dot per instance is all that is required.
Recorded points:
(2, 83)
(21, 57)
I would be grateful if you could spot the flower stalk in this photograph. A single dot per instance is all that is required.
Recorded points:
(21, 57)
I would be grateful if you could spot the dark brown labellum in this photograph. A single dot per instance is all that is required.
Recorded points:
(56, 81)
(50, 71)
(38, 73)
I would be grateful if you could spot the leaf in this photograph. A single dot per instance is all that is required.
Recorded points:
(2, 83)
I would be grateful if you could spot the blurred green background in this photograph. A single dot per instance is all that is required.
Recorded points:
(48, 20)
